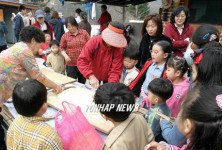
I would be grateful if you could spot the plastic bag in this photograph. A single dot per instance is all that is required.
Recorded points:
(75, 131)
(187, 56)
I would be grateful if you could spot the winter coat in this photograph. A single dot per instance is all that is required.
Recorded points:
(57, 28)
(179, 44)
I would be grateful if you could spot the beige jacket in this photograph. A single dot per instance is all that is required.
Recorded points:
(132, 134)
(56, 62)
(27, 23)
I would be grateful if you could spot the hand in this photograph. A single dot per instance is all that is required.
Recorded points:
(187, 39)
(161, 119)
(48, 52)
(94, 81)
(155, 146)
(67, 59)
(58, 89)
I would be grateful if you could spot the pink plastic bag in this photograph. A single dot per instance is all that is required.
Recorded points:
(75, 131)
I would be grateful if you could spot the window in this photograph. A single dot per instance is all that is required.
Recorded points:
(205, 11)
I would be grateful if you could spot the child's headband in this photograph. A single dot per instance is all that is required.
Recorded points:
(212, 36)
(197, 56)
(219, 100)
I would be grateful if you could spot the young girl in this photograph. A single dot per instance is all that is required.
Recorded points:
(152, 69)
(205, 70)
(200, 120)
(204, 36)
(176, 68)
(152, 30)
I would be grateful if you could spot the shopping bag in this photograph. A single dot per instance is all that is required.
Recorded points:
(75, 131)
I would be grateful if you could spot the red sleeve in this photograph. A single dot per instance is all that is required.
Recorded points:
(176, 44)
(101, 19)
(117, 66)
(85, 58)
(63, 43)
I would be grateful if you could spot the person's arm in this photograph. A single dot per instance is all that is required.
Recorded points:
(17, 24)
(63, 45)
(102, 19)
(84, 60)
(162, 146)
(54, 142)
(117, 66)
(48, 62)
(4, 27)
(176, 43)
(33, 71)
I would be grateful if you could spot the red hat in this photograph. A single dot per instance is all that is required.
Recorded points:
(114, 37)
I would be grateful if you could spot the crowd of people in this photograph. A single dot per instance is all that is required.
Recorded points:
(156, 74)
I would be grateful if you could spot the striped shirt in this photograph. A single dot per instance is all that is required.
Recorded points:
(32, 133)
(73, 44)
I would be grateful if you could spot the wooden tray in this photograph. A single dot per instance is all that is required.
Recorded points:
(57, 77)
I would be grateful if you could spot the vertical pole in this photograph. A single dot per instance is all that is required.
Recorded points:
(136, 12)
(124, 14)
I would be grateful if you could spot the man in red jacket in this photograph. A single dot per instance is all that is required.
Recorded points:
(105, 18)
(101, 58)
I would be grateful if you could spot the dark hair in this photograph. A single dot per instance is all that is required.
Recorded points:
(161, 87)
(28, 97)
(209, 68)
(165, 45)
(55, 15)
(78, 10)
(104, 7)
(157, 19)
(46, 32)
(47, 9)
(22, 7)
(72, 21)
(131, 51)
(176, 11)
(54, 42)
(178, 63)
(203, 34)
(114, 93)
(27, 33)
(117, 25)
(200, 106)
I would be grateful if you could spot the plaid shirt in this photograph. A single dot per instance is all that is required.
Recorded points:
(32, 133)
(73, 44)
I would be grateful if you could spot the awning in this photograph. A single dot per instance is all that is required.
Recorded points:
(16, 4)
(113, 2)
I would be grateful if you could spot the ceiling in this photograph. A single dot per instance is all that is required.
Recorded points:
(114, 2)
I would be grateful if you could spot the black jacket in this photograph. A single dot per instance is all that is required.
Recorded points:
(146, 45)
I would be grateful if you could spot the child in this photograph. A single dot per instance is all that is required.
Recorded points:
(176, 68)
(152, 69)
(130, 72)
(55, 60)
(200, 120)
(204, 36)
(130, 131)
(29, 130)
(160, 90)
(45, 49)
(205, 70)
